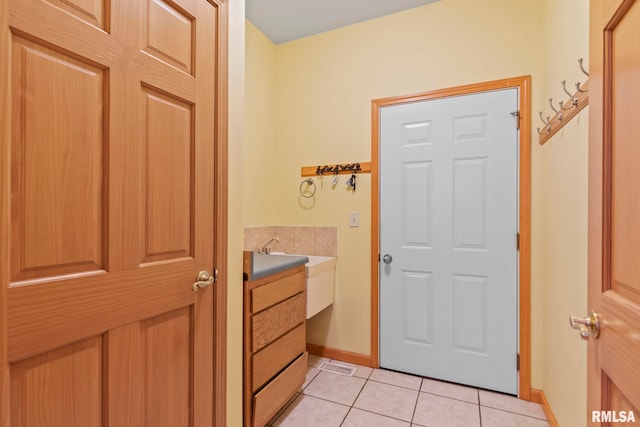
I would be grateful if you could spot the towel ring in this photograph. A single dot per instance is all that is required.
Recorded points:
(305, 193)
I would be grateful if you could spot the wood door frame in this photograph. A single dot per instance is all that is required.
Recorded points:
(5, 196)
(220, 207)
(523, 84)
(599, 135)
(220, 243)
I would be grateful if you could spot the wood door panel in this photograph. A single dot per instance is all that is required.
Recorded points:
(168, 343)
(53, 181)
(110, 188)
(61, 388)
(124, 361)
(161, 347)
(41, 316)
(625, 153)
(619, 344)
(169, 130)
(617, 401)
(93, 12)
(614, 209)
(34, 19)
(170, 34)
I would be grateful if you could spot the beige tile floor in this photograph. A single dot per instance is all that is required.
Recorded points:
(381, 398)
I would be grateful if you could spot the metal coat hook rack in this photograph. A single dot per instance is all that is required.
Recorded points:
(337, 169)
(567, 109)
(355, 167)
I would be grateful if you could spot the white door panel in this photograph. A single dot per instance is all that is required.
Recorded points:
(448, 210)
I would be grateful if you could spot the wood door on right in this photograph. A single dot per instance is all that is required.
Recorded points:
(614, 212)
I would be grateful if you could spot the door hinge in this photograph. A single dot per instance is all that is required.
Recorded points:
(516, 115)
(518, 362)
(518, 241)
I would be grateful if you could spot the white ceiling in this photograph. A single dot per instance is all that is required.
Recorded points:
(286, 20)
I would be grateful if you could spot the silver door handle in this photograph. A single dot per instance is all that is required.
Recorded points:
(588, 326)
(204, 279)
(387, 258)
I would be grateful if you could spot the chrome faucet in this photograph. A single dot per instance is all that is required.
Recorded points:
(266, 249)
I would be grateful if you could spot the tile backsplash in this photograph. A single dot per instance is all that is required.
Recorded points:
(301, 240)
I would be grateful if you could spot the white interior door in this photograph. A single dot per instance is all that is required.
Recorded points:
(448, 221)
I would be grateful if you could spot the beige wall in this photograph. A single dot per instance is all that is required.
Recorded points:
(260, 157)
(236, 165)
(565, 217)
(308, 103)
(324, 87)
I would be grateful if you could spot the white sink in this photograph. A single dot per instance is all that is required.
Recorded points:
(320, 273)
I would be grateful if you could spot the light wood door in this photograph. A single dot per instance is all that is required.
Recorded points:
(614, 210)
(108, 212)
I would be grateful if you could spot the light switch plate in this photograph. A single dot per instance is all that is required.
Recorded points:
(354, 219)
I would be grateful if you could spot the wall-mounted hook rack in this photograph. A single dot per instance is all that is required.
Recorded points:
(568, 109)
(579, 89)
(558, 114)
(582, 67)
(337, 169)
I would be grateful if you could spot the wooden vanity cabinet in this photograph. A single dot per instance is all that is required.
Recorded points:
(275, 357)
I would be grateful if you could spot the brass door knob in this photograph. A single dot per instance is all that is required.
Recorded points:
(588, 326)
(204, 279)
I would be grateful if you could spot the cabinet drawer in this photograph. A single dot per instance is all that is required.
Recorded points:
(270, 399)
(272, 323)
(268, 295)
(271, 359)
